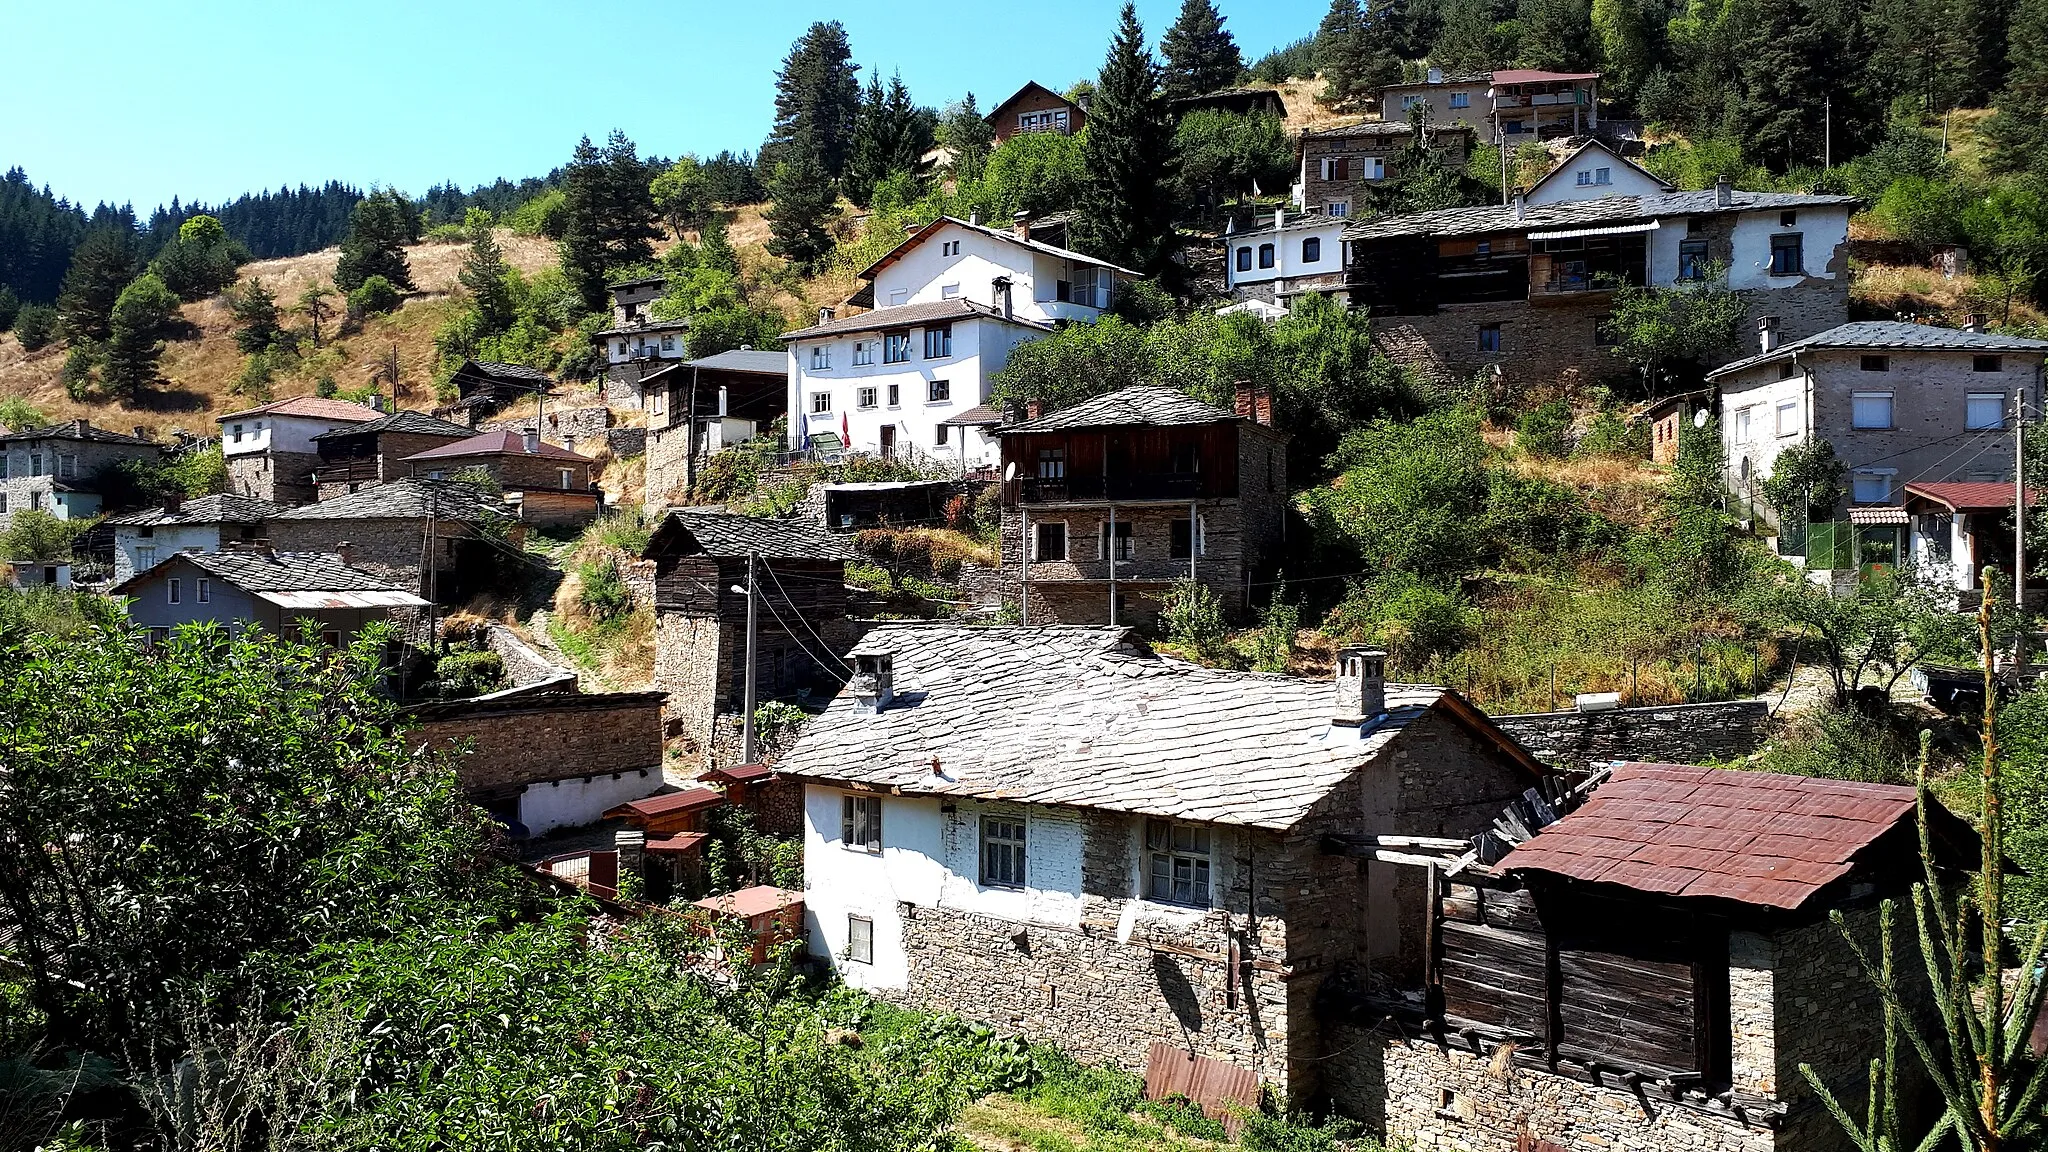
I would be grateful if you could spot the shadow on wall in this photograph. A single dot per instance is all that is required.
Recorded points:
(1180, 994)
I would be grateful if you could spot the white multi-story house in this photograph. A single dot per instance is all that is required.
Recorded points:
(269, 449)
(1284, 258)
(951, 302)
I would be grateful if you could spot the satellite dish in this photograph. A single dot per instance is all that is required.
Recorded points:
(1699, 418)
(1009, 471)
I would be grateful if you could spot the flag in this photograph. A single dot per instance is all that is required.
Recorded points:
(845, 437)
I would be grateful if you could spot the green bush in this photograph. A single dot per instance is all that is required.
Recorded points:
(10, 307)
(625, 529)
(1416, 621)
(17, 414)
(1610, 435)
(35, 326)
(469, 671)
(545, 215)
(375, 297)
(603, 593)
(1543, 431)
(1277, 625)
(1194, 618)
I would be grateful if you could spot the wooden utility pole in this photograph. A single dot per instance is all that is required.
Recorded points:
(2019, 501)
(747, 736)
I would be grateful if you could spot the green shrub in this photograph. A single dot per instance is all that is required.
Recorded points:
(1543, 431)
(17, 414)
(469, 671)
(375, 297)
(10, 307)
(1277, 626)
(603, 593)
(35, 326)
(1194, 618)
(1610, 435)
(1417, 621)
(81, 371)
(1185, 1117)
(625, 529)
(545, 215)
(446, 234)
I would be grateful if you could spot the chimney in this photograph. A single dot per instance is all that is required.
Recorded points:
(347, 552)
(1020, 225)
(1724, 191)
(1767, 334)
(1230, 225)
(1975, 322)
(1279, 219)
(825, 315)
(974, 217)
(377, 402)
(1001, 286)
(632, 847)
(1518, 204)
(1033, 409)
(141, 433)
(82, 424)
(1436, 75)
(1361, 685)
(871, 684)
(1262, 405)
(1244, 400)
(912, 228)
(173, 501)
(531, 442)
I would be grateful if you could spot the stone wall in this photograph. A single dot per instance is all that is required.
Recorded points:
(280, 477)
(561, 425)
(524, 667)
(525, 740)
(625, 442)
(389, 547)
(1673, 734)
(1076, 590)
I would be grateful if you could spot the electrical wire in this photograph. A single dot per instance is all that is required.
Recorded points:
(798, 613)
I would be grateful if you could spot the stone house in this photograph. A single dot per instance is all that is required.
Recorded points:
(1036, 108)
(700, 620)
(1525, 289)
(1341, 166)
(548, 760)
(1116, 498)
(637, 345)
(207, 524)
(484, 386)
(698, 407)
(269, 449)
(278, 592)
(362, 455)
(1510, 104)
(1649, 971)
(441, 538)
(54, 469)
(550, 486)
(1057, 832)
(1898, 402)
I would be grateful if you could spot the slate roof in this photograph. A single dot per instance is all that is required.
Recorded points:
(1891, 335)
(409, 499)
(1581, 213)
(502, 371)
(677, 325)
(909, 315)
(728, 535)
(1750, 837)
(501, 443)
(404, 420)
(79, 430)
(1089, 717)
(276, 576)
(312, 407)
(222, 509)
(1372, 128)
(1149, 405)
(772, 362)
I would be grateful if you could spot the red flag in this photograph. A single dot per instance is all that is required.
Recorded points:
(845, 437)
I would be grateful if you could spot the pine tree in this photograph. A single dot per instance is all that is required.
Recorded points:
(892, 135)
(1126, 209)
(1352, 56)
(804, 202)
(2019, 128)
(486, 275)
(817, 100)
(380, 225)
(1473, 38)
(135, 332)
(609, 216)
(255, 310)
(313, 301)
(1201, 55)
(1557, 34)
(102, 266)
(967, 134)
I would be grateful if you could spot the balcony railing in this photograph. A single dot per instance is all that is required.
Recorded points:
(1165, 486)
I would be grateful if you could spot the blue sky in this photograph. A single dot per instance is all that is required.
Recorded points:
(140, 101)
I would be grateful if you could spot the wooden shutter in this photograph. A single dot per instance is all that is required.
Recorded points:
(1493, 968)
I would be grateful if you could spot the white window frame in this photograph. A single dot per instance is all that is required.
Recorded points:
(939, 336)
(821, 403)
(860, 938)
(863, 353)
(668, 343)
(1037, 551)
(1858, 419)
(145, 554)
(1974, 404)
(203, 591)
(568, 478)
(1338, 209)
(1163, 850)
(1375, 168)
(865, 396)
(1744, 422)
(821, 357)
(1005, 847)
(895, 395)
(235, 433)
(860, 823)
(949, 291)
(1788, 420)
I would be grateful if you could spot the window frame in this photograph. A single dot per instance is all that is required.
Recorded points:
(938, 392)
(863, 353)
(860, 816)
(1312, 250)
(1491, 338)
(1794, 243)
(895, 395)
(1185, 539)
(202, 591)
(821, 357)
(1874, 362)
(866, 396)
(1856, 415)
(938, 342)
(1856, 480)
(1244, 258)
(896, 347)
(174, 590)
(1779, 412)
(1005, 851)
(1338, 209)
(1970, 404)
(1052, 464)
(860, 938)
(1269, 256)
(821, 403)
(1162, 846)
(1987, 362)
(1459, 100)
(1125, 539)
(1694, 255)
(1038, 542)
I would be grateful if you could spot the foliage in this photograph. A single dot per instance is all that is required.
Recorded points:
(804, 206)
(624, 530)
(682, 194)
(1411, 494)
(1286, 62)
(254, 308)
(35, 326)
(1278, 623)
(1229, 153)
(602, 591)
(733, 179)
(896, 552)
(36, 535)
(964, 132)
(1353, 55)
(1418, 622)
(374, 297)
(1805, 481)
(141, 320)
(891, 135)
(18, 415)
(468, 671)
(544, 215)
(1888, 624)
(201, 261)
(101, 268)
(1200, 53)
(81, 372)
(380, 227)
(1194, 619)
(1698, 161)
(1611, 435)
(1543, 430)
(1841, 744)
(1689, 323)
(1033, 172)
(486, 276)
(2017, 132)
(817, 105)
(1126, 216)
(608, 216)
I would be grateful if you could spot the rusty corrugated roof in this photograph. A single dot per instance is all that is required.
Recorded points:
(752, 902)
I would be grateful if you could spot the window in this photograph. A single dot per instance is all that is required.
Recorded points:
(1482, 247)
(821, 356)
(235, 433)
(1594, 176)
(860, 939)
(1312, 250)
(949, 248)
(158, 637)
(1186, 458)
(67, 465)
(622, 347)
(1244, 259)
(1461, 99)
(1987, 363)
(864, 398)
(1872, 485)
(1002, 851)
(1788, 254)
(1336, 168)
(1986, 410)
(1788, 418)
(938, 392)
(1265, 255)
(1787, 219)
(938, 342)
(941, 434)
(1177, 862)
(1742, 424)
(895, 347)
(1411, 101)
(1337, 209)
(1489, 337)
(898, 297)
(176, 589)
(668, 343)
(1123, 541)
(1876, 364)
(863, 353)
(35, 464)
(949, 291)
(1787, 370)
(860, 823)
(895, 395)
(1049, 540)
(1183, 544)
(821, 402)
(567, 476)
(145, 556)
(1870, 410)
(1052, 463)
(1692, 259)
(35, 500)
(1375, 168)
(204, 589)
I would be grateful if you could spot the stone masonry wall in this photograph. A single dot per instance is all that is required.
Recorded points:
(280, 477)
(688, 661)
(553, 737)
(579, 424)
(1076, 590)
(1674, 734)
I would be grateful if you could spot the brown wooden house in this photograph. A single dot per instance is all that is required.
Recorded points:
(1107, 503)
(1036, 108)
(361, 455)
(550, 485)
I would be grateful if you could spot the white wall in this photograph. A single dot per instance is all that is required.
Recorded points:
(1824, 229)
(1760, 392)
(267, 433)
(1623, 179)
(1955, 572)
(582, 800)
(168, 541)
(1287, 252)
(926, 273)
(980, 348)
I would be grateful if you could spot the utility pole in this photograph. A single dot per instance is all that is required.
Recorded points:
(689, 434)
(1827, 131)
(1024, 550)
(747, 740)
(1109, 547)
(2019, 499)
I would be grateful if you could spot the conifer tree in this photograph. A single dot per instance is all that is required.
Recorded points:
(1623, 34)
(892, 135)
(380, 226)
(967, 134)
(486, 275)
(102, 266)
(1353, 57)
(2019, 128)
(804, 202)
(817, 100)
(135, 332)
(314, 302)
(609, 216)
(1126, 209)
(1201, 55)
(255, 310)
(1557, 34)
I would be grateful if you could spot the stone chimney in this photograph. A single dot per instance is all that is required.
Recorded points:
(632, 846)
(347, 552)
(1518, 204)
(81, 425)
(1975, 322)
(872, 684)
(1361, 685)
(377, 402)
(1001, 287)
(173, 501)
(1262, 405)
(530, 441)
(1020, 225)
(1724, 191)
(1246, 407)
(974, 217)
(1767, 334)
(1033, 409)
(141, 433)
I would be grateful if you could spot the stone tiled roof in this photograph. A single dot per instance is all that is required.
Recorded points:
(772, 362)
(728, 535)
(254, 570)
(313, 407)
(910, 315)
(1145, 404)
(1892, 335)
(1581, 213)
(222, 509)
(408, 499)
(501, 443)
(1371, 128)
(79, 430)
(1088, 717)
(502, 371)
(404, 420)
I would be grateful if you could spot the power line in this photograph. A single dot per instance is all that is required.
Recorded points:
(798, 613)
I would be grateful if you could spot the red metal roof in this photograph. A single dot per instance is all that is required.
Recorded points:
(752, 902)
(679, 843)
(738, 774)
(689, 799)
(1751, 837)
(1970, 495)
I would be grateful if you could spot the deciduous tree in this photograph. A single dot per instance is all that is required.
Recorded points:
(682, 194)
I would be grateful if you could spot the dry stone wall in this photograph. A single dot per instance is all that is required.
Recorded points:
(1674, 734)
